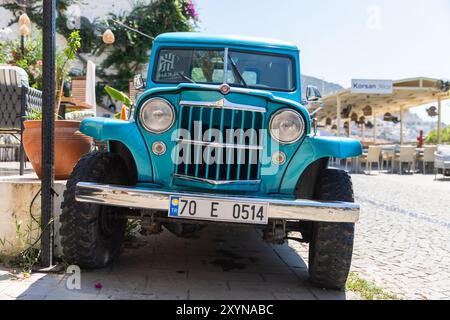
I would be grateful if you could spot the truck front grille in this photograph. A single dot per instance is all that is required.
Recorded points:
(234, 157)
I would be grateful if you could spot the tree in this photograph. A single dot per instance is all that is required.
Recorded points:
(131, 49)
(432, 136)
(64, 23)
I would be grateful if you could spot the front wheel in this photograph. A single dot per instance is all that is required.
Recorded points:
(331, 245)
(91, 234)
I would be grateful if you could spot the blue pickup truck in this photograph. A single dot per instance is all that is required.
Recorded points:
(220, 134)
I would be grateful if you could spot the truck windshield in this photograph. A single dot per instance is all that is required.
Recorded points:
(244, 68)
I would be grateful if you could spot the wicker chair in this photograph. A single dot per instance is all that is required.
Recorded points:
(17, 99)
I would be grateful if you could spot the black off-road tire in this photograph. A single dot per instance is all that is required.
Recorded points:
(331, 246)
(91, 234)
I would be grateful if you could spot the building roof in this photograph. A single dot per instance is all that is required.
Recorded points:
(232, 40)
(407, 93)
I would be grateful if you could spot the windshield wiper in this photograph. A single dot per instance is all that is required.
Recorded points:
(236, 72)
(186, 77)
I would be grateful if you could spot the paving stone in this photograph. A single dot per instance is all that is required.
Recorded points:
(398, 241)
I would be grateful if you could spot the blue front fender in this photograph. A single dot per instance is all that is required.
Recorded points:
(126, 132)
(313, 149)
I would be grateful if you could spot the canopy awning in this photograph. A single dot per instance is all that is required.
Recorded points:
(406, 94)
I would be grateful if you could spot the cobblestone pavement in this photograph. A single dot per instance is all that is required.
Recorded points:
(403, 239)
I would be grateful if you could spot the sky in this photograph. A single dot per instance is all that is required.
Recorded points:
(345, 39)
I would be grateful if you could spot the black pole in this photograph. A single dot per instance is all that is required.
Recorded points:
(48, 127)
(22, 45)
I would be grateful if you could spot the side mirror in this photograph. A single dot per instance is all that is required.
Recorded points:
(313, 99)
(312, 94)
(138, 82)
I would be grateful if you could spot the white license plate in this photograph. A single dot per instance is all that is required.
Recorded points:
(218, 210)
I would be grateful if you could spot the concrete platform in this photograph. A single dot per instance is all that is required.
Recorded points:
(17, 210)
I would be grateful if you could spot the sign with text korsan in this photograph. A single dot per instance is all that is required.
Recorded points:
(372, 86)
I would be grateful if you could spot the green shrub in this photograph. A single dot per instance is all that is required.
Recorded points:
(432, 136)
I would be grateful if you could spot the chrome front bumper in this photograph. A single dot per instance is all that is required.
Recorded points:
(142, 198)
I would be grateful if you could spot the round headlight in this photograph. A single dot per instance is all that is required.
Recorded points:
(157, 115)
(287, 126)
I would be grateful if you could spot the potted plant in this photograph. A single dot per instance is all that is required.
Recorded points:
(70, 143)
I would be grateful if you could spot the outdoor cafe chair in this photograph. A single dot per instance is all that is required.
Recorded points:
(428, 156)
(17, 99)
(372, 156)
(407, 155)
(388, 157)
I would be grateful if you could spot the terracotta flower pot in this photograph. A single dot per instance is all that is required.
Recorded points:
(70, 145)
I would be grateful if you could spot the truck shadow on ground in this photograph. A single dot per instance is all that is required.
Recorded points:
(222, 263)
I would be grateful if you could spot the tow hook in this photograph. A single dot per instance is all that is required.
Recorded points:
(148, 225)
(277, 234)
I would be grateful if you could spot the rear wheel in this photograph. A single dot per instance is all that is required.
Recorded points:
(91, 234)
(331, 245)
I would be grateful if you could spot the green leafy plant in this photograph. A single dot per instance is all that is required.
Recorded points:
(30, 59)
(64, 23)
(34, 114)
(28, 235)
(368, 290)
(118, 95)
(132, 229)
(63, 63)
(131, 50)
(432, 136)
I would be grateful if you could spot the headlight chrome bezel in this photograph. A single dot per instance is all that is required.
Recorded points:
(146, 104)
(301, 131)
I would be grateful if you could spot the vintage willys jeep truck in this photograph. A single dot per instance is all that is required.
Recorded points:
(219, 135)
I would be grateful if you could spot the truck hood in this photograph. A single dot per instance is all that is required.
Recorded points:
(208, 87)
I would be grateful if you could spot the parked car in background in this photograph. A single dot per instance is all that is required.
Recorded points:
(442, 160)
(219, 135)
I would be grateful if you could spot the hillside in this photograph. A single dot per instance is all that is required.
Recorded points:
(324, 86)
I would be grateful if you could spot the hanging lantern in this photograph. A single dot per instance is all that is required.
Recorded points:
(24, 20)
(387, 117)
(328, 122)
(432, 111)
(346, 111)
(354, 117)
(108, 37)
(362, 120)
(367, 111)
(24, 30)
